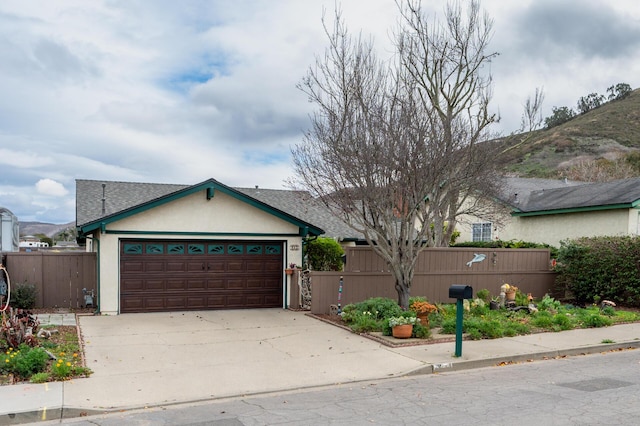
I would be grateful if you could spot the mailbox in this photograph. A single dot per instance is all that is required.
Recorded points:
(460, 291)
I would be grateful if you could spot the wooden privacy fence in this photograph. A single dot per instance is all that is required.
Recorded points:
(366, 275)
(59, 277)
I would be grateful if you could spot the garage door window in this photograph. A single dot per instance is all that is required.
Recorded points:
(155, 248)
(215, 249)
(196, 248)
(133, 248)
(175, 248)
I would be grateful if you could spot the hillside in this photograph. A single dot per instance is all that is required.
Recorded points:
(604, 132)
(48, 229)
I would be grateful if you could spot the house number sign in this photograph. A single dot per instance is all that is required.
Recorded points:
(294, 247)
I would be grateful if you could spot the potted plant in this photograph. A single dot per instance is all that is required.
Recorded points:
(509, 291)
(402, 327)
(423, 309)
(290, 269)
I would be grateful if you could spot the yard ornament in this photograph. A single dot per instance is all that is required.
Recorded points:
(476, 258)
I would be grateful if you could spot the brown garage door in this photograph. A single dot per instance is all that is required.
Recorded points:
(188, 275)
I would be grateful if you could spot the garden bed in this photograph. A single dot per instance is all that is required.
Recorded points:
(51, 353)
(372, 319)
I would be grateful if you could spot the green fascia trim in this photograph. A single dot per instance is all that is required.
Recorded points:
(577, 209)
(207, 234)
(210, 186)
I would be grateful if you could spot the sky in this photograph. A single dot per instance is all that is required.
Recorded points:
(182, 91)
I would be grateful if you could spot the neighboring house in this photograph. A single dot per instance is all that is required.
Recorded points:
(29, 242)
(9, 231)
(550, 211)
(207, 246)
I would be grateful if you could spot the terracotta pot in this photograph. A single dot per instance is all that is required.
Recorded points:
(510, 295)
(424, 319)
(402, 331)
(288, 271)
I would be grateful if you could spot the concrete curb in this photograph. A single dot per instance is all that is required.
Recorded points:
(516, 359)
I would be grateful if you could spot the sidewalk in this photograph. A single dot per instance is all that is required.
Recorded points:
(142, 360)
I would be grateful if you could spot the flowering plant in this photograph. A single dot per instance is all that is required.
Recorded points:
(421, 307)
(292, 266)
(394, 321)
(507, 288)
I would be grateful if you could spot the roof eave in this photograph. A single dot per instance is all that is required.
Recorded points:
(522, 213)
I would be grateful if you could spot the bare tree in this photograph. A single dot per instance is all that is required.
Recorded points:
(532, 115)
(394, 145)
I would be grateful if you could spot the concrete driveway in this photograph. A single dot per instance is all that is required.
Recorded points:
(160, 358)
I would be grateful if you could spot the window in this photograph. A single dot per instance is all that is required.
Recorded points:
(481, 231)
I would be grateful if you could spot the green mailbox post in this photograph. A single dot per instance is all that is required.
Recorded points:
(460, 292)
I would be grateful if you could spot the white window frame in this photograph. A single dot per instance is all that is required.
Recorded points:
(481, 231)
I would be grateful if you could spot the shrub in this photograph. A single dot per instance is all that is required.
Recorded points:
(596, 320)
(421, 332)
(601, 267)
(23, 296)
(380, 307)
(324, 254)
(515, 244)
(24, 362)
(484, 295)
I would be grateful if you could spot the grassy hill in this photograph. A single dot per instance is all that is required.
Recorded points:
(605, 132)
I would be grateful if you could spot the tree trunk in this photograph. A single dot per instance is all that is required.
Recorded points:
(404, 292)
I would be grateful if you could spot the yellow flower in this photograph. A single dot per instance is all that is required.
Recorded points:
(6, 360)
(61, 353)
(68, 364)
(75, 355)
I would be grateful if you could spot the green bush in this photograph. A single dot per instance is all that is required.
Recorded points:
(601, 268)
(515, 244)
(23, 296)
(379, 307)
(24, 362)
(484, 295)
(324, 254)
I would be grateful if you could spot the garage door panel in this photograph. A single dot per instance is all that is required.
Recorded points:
(197, 302)
(198, 266)
(235, 284)
(158, 275)
(216, 301)
(154, 266)
(255, 283)
(272, 284)
(132, 266)
(273, 267)
(132, 285)
(151, 285)
(176, 266)
(235, 266)
(217, 284)
(254, 266)
(176, 302)
(176, 285)
(133, 304)
(200, 284)
(153, 303)
(215, 266)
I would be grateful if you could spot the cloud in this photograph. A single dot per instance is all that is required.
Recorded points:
(50, 187)
(179, 92)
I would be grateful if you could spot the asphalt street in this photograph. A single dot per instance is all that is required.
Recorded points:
(594, 389)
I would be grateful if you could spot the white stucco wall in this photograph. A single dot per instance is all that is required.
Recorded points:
(551, 229)
(197, 218)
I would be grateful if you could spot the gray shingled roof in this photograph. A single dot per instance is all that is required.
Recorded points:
(580, 196)
(120, 196)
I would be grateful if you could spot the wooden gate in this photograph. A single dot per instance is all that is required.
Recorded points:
(59, 277)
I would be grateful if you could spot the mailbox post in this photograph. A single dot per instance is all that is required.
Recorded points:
(460, 292)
